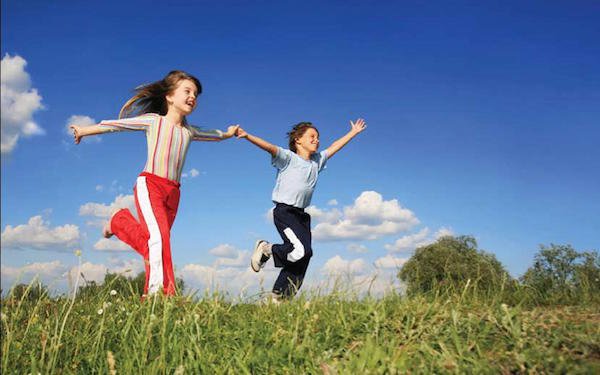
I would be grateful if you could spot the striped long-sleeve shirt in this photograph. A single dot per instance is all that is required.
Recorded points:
(167, 143)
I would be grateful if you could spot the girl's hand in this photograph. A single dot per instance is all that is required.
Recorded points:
(358, 126)
(76, 133)
(241, 133)
(231, 131)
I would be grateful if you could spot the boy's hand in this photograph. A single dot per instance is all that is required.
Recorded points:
(358, 126)
(76, 135)
(241, 133)
(231, 131)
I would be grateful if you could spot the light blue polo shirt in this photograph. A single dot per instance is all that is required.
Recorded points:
(296, 177)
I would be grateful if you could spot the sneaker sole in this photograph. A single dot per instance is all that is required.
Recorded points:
(254, 255)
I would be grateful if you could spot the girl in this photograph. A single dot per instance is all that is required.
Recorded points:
(297, 172)
(161, 109)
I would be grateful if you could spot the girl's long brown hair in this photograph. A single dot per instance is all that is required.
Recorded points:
(151, 97)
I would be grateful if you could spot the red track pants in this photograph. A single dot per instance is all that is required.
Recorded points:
(156, 199)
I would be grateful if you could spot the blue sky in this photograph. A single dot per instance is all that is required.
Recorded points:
(483, 119)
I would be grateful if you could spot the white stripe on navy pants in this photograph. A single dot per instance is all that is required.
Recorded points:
(293, 256)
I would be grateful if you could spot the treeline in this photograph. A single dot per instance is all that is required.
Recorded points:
(122, 285)
(559, 274)
(451, 265)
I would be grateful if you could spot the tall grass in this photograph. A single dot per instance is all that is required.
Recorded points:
(446, 331)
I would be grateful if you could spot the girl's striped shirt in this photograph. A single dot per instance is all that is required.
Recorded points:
(167, 143)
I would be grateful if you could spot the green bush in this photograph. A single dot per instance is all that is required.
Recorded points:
(562, 274)
(449, 264)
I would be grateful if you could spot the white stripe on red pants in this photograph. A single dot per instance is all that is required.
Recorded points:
(156, 199)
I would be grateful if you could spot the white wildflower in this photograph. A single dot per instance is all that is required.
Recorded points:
(100, 311)
(113, 292)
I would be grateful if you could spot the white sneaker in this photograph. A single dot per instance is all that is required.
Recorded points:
(260, 255)
(274, 299)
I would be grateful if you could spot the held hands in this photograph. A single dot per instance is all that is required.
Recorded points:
(231, 131)
(241, 133)
(357, 126)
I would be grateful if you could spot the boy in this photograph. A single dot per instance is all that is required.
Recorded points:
(297, 173)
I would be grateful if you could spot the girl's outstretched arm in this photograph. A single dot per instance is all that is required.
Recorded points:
(106, 126)
(199, 134)
(268, 147)
(356, 127)
(84, 131)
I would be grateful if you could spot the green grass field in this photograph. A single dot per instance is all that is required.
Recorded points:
(334, 334)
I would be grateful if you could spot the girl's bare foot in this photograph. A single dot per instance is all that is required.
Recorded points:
(106, 232)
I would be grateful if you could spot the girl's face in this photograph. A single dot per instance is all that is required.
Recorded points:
(309, 141)
(183, 98)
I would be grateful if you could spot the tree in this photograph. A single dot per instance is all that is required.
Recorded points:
(122, 284)
(561, 271)
(30, 292)
(449, 263)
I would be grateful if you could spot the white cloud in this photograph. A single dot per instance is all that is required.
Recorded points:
(230, 256)
(389, 261)
(50, 274)
(332, 202)
(356, 248)
(237, 282)
(198, 274)
(96, 272)
(115, 186)
(369, 218)
(339, 278)
(192, 173)
(90, 272)
(18, 103)
(443, 232)
(106, 244)
(100, 214)
(103, 211)
(126, 267)
(47, 270)
(347, 230)
(339, 266)
(412, 241)
(319, 215)
(242, 259)
(370, 208)
(61, 278)
(269, 215)
(224, 251)
(38, 235)
(99, 188)
(83, 121)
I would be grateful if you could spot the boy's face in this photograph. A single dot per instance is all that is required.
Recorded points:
(309, 141)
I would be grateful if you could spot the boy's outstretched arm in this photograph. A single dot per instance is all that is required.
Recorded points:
(268, 147)
(357, 127)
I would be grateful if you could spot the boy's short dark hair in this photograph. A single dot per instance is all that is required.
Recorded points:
(298, 131)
